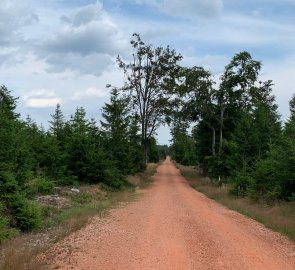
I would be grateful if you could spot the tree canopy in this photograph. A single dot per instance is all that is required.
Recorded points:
(150, 84)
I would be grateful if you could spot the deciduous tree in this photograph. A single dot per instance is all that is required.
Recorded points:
(150, 83)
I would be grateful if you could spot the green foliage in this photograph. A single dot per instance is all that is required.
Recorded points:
(39, 185)
(242, 183)
(151, 80)
(7, 104)
(120, 133)
(8, 184)
(33, 161)
(238, 137)
(113, 179)
(81, 198)
(153, 151)
(183, 148)
(5, 231)
(163, 151)
(275, 174)
(27, 214)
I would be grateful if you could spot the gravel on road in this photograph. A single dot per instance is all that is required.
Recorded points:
(172, 226)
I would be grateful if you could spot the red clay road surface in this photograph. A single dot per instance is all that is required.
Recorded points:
(172, 226)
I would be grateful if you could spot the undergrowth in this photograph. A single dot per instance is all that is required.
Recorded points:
(21, 252)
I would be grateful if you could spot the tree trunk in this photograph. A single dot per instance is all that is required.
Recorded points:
(213, 141)
(144, 142)
(221, 132)
(145, 152)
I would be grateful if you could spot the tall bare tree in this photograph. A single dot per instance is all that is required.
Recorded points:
(150, 83)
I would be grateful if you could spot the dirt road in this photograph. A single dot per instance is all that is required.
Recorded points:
(173, 226)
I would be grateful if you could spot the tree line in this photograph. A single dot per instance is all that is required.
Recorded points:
(70, 152)
(237, 135)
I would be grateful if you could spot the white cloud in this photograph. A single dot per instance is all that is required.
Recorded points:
(85, 15)
(42, 102)
(94, 64)
(91, 92)
(41, 99)
(86, 37)
(14, 16)
(95, 37)
(40, 93)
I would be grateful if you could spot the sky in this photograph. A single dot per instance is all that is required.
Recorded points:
(64, 51)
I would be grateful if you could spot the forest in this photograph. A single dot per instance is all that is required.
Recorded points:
(230, 131)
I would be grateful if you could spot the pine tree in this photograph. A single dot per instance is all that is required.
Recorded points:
(9, 124)
(77, 144)
(56, 158)
(115, 126)
(135, 152)
(57, 123)
(288, 182)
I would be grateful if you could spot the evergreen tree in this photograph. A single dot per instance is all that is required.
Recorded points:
(57, 123)
(115, 127)
(8, 129)
(251, 141)
(183, 147)
(15, 166)
(56, 159)
(136, 153)
(121, 131)
(288, 182)
(77, 144)
(153, 151)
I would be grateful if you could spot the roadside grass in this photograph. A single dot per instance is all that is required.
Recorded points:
(143, 179)
(279, 217)
(21, 252)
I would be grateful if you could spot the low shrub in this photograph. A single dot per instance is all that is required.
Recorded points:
(27, 214)
(5, 231)
(81, 198)
(40, 185)
(113, 179)
(8, 184)
(241, 185)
